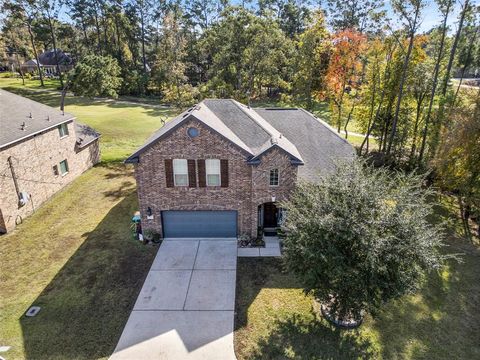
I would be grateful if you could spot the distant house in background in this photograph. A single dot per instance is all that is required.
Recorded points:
(48, 63)
(41, 151)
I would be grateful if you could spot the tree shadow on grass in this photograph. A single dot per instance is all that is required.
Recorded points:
(86, 306)
(298, 337)
(441, 321)
(294, 330)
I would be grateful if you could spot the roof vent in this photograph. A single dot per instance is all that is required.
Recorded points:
(31, 116)
(23, 126)
(273, 140)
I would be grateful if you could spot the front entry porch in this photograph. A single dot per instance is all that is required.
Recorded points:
(269, 218)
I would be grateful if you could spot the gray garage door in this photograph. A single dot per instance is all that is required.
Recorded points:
(197, 224)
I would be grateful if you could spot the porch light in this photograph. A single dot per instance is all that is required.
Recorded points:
(273, 198)
(149, 211)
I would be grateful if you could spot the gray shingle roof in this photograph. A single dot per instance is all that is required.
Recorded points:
(307, 139)
(317, 142)
(235, 118)
(85, 134)
(15, 111)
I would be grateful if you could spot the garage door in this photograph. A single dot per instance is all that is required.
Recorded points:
(197, 224)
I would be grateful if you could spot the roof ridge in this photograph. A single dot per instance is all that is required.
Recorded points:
(239, 105)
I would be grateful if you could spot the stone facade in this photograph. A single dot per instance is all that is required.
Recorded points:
(33, 160)
(248, 184)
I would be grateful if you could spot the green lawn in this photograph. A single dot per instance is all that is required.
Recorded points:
(124, 126)
(275, 320)
(75, 257)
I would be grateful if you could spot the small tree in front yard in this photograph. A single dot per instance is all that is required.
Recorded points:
(360, 237)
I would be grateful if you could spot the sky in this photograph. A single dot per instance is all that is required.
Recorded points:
(431, 17)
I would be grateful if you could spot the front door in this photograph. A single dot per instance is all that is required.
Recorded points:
(269, 215)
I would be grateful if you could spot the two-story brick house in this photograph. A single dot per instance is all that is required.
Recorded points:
(220, 168)
(41, 150)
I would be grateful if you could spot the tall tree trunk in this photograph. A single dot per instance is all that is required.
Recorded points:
(20, 68)
(453, 50)
(34, 48)
(142, 23)
(412, 31)
(54, 41)
(386, 78)
(97, 30)
(348, 120)
(435, 82)
(415, 127)
(440, 115)
(464, 68)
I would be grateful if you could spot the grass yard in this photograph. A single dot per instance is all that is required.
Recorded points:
(275, 320)
(124, 125)
(76, 259)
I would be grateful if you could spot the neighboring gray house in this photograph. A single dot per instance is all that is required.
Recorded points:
(41, 151)
(48, 62)
(220, 168)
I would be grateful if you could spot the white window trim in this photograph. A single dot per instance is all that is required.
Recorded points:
(175, 173)
(219, 172)
(60, 167)
(67, 132)
(278, 177)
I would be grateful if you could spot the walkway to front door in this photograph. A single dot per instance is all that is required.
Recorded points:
(185, 309)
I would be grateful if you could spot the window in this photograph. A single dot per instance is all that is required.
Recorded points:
(192, 132)
(55, 170)
(64, 167)
(274, 177)
(213, 172)
(63, 130)
(180, 172)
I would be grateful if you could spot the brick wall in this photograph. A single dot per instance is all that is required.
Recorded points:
(153, 192)
(33, 161)
(262, 192)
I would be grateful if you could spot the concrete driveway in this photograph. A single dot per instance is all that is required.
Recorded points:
(185, 309)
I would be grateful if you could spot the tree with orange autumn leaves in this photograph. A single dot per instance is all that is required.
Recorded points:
(345, 71)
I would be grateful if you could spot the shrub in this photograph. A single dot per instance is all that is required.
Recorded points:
(360, 237)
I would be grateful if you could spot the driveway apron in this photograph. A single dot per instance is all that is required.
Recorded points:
(185, 309)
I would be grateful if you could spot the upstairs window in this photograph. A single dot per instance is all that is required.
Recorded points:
(64, 167)
(180, 172)
(213, 172)
(63, 130)
(274, 177)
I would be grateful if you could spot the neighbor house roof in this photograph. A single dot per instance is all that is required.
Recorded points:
(306, 139)
(48, 58)
(84, 134)
(21, 118)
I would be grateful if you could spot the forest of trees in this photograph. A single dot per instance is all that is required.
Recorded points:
(389, 77)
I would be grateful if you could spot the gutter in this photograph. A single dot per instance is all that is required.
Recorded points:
(35, 133)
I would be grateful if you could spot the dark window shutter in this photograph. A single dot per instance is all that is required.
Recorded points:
(169, 172)
(224, 173)
(192, 177)
(202, 182)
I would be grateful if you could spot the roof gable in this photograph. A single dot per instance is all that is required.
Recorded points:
(305, 138)
(200, 113)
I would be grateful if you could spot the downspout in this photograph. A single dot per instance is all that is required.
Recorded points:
(14, 177)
